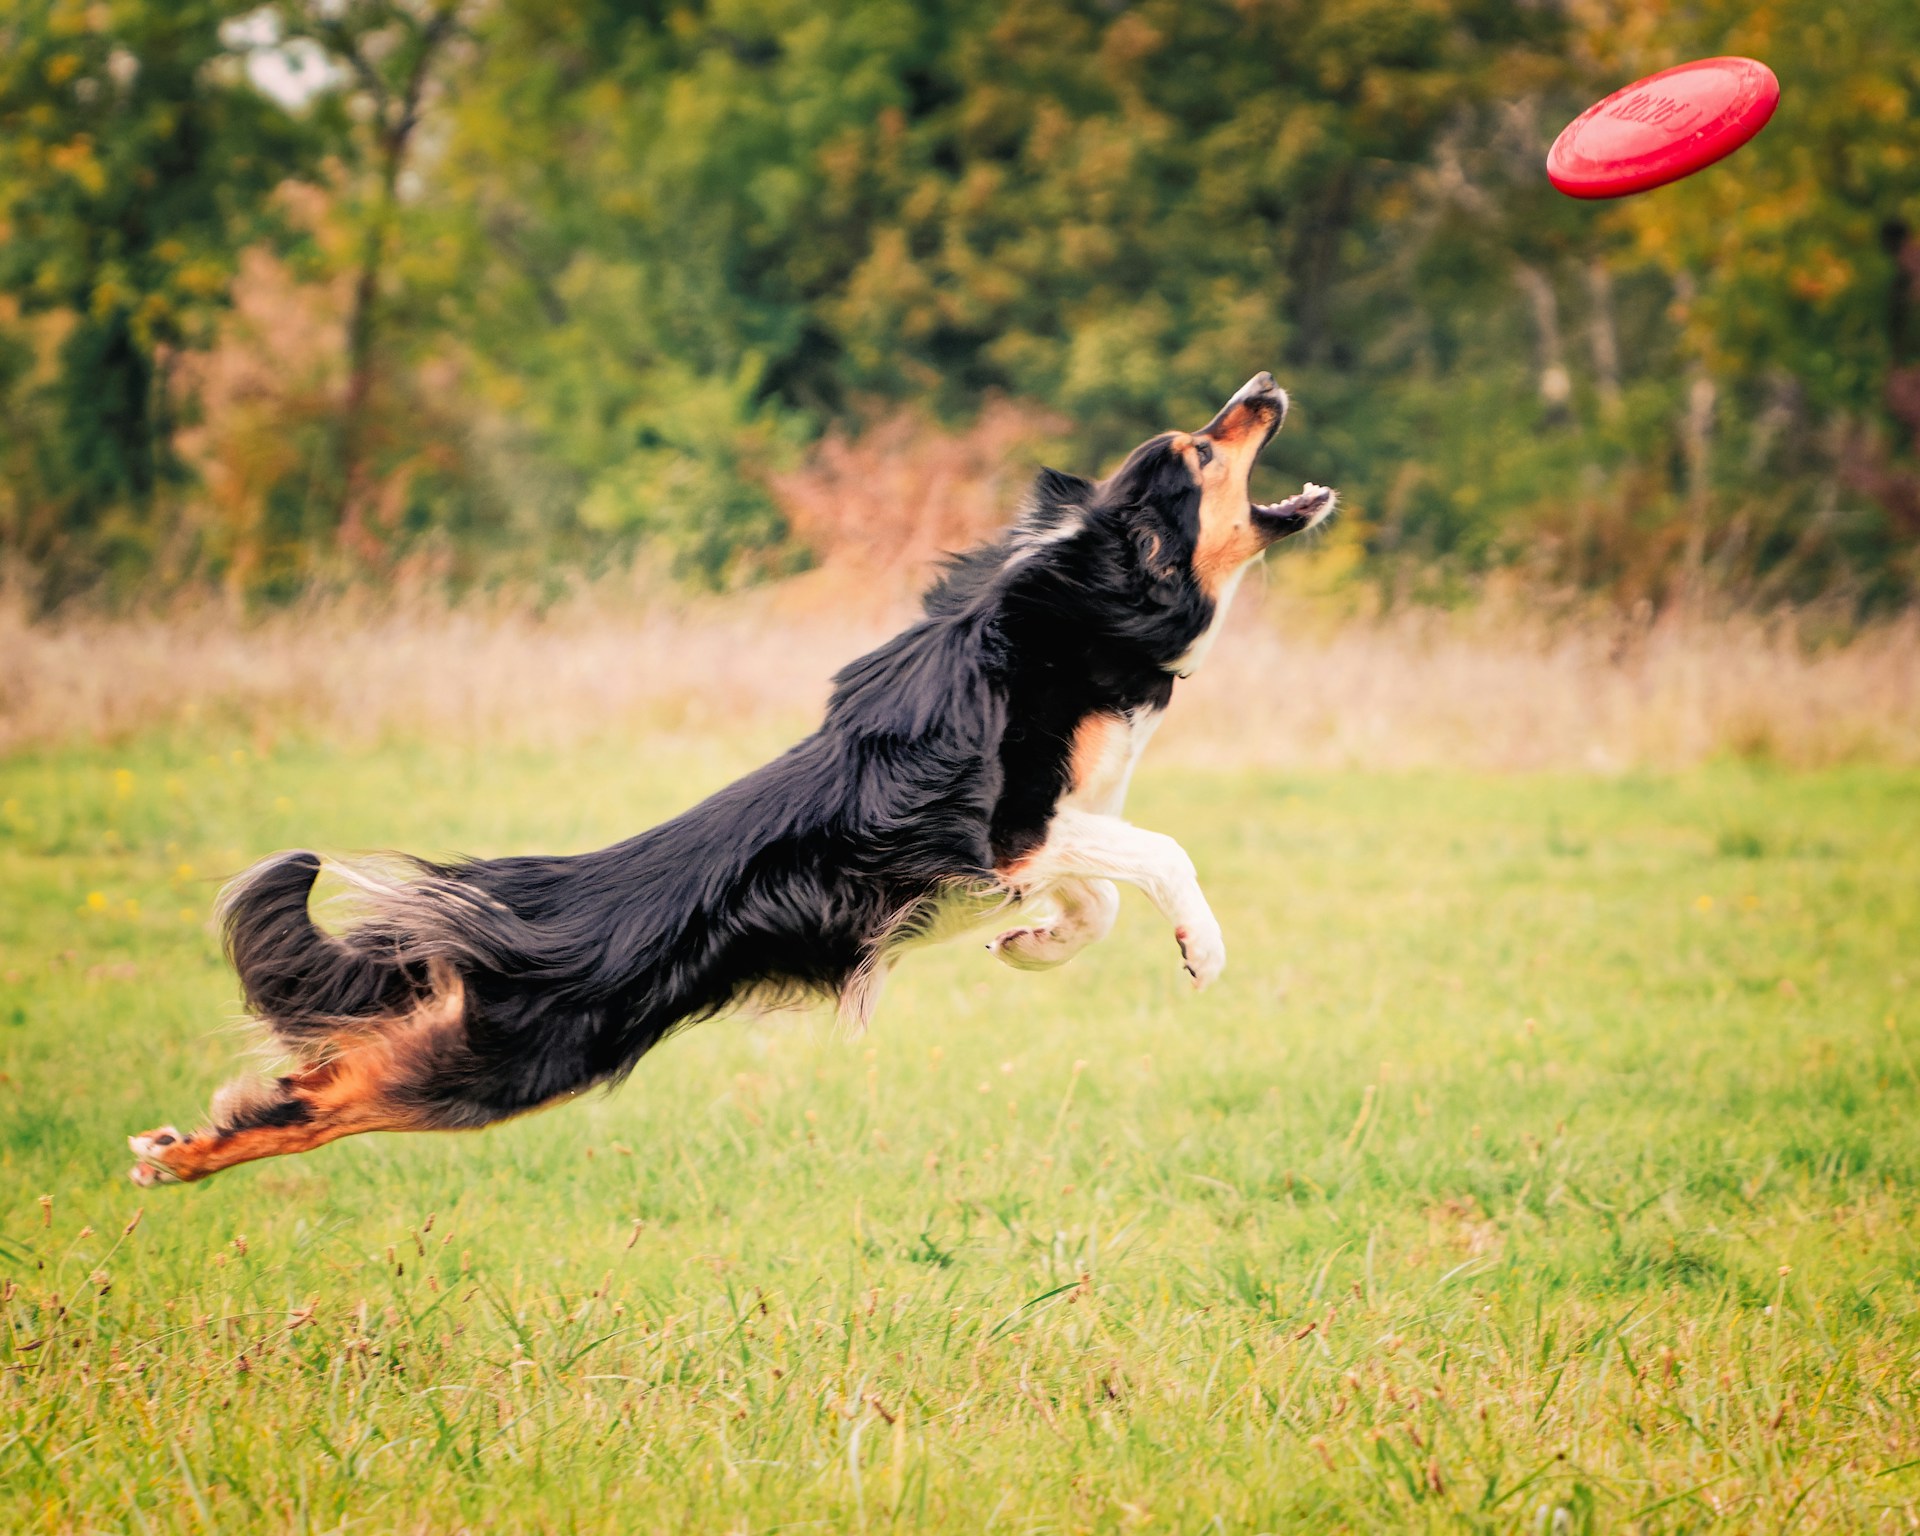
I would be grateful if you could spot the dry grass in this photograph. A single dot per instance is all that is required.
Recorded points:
(459, 674)
(1287, 687)
(1506, 694)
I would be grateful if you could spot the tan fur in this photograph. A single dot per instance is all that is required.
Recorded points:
(1090, 747)
(1225, 545)
(351, 1086)
(1105, 750)
(344, 1096)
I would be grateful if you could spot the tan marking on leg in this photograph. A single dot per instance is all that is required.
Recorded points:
(343, 1097)
(353, 1087)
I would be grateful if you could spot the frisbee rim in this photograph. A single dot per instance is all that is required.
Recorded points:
(1592, 179)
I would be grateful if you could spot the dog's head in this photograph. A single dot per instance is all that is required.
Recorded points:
(1181, 501)
(1186, 493)
(1154, 549)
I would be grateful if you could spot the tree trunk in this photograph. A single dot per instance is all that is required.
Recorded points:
(107, 424)
(1555, 383)
(362, 325)
(1315, 266)
(398, 114)
(1602, 339)
(1702, 397)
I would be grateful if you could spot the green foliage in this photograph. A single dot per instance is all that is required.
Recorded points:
(134, 163)
(1490, 1182)
(1808, 310)
(682, 471)
(1120, 213)
(638, 195)
(1117, 212)
(1803, 244)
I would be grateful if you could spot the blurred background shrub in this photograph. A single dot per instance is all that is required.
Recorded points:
(338, 293)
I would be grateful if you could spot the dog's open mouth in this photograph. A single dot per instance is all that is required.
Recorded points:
(1253, 416)
(1282, 519)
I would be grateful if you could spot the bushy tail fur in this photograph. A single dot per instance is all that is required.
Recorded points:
(302, 982)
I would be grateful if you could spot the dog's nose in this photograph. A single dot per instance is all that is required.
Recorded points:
(1260, 387)
(1260, 391)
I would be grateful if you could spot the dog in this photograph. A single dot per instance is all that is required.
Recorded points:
(972, 768)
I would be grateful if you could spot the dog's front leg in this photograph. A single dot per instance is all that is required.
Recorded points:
(1083, 846)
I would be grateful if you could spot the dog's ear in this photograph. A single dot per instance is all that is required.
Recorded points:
(1161, 513)
(1057, 488)
(1159, 562)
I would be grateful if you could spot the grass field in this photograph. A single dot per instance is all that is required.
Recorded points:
(1545, 1162)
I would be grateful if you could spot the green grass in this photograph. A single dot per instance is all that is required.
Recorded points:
(1545, 1161)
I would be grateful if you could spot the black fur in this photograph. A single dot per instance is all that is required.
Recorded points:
(304, 982)
(940, 761)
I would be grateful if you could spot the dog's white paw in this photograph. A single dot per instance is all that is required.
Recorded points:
(1031, 949)
(150, 1148)
(1203, 949)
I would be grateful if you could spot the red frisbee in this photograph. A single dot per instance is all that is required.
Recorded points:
(1662, 128)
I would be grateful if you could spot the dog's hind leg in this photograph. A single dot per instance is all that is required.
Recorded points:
(376, 1082)
(1085, 914)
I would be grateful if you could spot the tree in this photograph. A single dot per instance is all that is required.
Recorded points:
(642, 193)
(385, 53)
(1799, 267)
(135, 160)
(1114, 205)
(608, 262)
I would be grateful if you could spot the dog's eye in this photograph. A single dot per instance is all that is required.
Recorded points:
(1204, 452)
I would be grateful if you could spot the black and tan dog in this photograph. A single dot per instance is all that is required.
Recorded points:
(974, 765)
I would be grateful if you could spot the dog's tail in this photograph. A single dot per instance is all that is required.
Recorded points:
(302, 982)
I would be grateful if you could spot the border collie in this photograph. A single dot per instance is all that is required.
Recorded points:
(973, 766)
